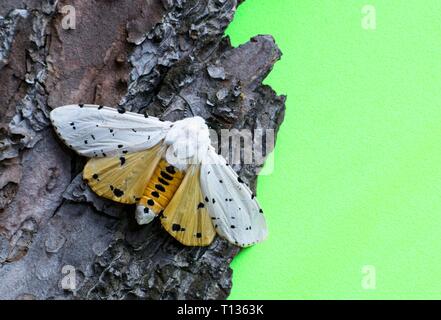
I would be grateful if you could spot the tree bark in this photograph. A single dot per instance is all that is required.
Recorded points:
(167, 58)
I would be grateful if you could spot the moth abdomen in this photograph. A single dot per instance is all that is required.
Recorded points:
(162, 186)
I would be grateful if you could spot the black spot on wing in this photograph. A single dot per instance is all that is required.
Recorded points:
(146, 210)
(81, 105)
(95, 176)
(122, 160)
(239, 180)
(150, 202)
(120, 146)
(160, 187)
(100, 107)
(176, 227)
(206, 199)
(118, 192)
(198, 235)
(201, 205)
(121, 110)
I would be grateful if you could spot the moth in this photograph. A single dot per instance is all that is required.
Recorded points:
(169, 170)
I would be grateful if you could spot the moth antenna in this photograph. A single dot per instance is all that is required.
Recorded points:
(171, 108)
(188, 104)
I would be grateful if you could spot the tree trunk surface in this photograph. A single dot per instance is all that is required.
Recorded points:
(167, 58)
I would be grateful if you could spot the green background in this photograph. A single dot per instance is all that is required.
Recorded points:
(357, 177)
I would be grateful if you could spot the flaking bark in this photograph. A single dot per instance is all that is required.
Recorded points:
(167, 58)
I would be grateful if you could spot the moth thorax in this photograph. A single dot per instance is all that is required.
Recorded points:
(161, 187)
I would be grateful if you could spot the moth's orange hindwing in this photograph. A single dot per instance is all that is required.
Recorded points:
(186, 217)
(123, 178)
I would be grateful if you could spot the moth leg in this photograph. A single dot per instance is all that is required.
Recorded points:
(144, 215)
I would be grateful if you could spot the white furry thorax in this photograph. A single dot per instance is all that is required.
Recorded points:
(188, 141)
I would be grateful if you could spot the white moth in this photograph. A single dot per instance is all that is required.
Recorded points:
(168, 169)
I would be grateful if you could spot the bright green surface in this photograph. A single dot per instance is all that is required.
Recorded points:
(358, 160)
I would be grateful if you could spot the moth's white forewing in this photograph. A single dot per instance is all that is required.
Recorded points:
(96, 131)
(234, 210)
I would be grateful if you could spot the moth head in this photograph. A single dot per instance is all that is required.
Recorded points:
(187, 129)
(188, 139)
